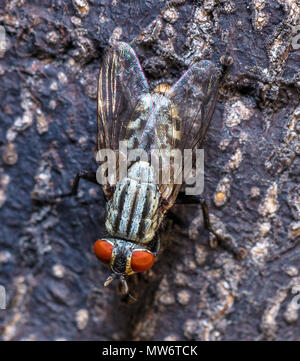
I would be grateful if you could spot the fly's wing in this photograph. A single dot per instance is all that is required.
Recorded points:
(124, 101)
(182, 116)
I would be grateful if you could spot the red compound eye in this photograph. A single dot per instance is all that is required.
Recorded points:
(103, 250)
(141, 261)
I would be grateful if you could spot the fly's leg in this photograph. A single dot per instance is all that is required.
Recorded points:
(173, 217)
(154, 244)
(182, 198)
(222, 240)
(87, 175)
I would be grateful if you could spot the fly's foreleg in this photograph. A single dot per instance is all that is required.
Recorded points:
(87, 175)
(222, 240)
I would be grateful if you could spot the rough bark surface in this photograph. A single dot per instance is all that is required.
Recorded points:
(48, 75)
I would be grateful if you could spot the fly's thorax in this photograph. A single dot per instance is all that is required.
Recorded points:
(123, 257)
(132, 212)
(141, 172)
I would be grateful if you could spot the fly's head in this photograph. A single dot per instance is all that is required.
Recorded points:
(124, 258)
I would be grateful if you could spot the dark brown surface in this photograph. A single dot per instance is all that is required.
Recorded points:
(48, 77)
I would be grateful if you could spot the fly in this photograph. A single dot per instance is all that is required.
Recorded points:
(174, 117)
(169, 118)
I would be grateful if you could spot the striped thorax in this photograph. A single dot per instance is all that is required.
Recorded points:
(132, 211)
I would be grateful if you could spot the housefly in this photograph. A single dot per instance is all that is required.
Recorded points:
(169, 118)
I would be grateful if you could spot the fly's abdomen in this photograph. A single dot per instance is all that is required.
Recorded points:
(132, 211)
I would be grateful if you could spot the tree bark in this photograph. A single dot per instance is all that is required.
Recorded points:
(48, 72)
